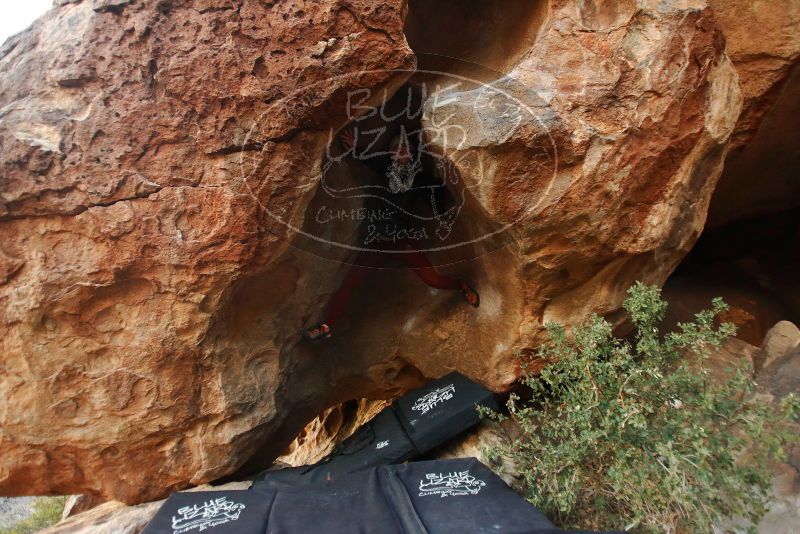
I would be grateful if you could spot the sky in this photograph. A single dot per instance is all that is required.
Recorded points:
(16, 15)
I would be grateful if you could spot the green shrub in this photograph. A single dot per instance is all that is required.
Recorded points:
(46, 512)
(633, 433)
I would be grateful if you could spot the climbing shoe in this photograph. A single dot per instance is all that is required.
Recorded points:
(470, 295)
(320, 331)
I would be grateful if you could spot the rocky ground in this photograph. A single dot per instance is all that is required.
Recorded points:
(13, 509)
(22, 515)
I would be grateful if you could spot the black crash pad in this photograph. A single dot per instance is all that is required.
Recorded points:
(441, 410)
(436, 497)
(238, 511)
(415, 423)
(458, 496)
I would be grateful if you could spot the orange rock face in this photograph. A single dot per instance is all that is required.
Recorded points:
(161, 175)
(763, 42)
(144, 301)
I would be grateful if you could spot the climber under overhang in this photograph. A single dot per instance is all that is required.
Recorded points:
(397, 187)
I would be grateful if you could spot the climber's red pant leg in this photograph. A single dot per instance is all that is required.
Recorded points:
(369, 260)
(365, 262)
(417, 261)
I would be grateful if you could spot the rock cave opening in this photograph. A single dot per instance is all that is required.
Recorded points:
(752, 264)
(749, 252)
(392, 309)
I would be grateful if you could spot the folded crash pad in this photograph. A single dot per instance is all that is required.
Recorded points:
(442, 409)
(414, 424)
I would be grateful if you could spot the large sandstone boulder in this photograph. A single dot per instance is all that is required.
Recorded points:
(160, 166)
(144, 300)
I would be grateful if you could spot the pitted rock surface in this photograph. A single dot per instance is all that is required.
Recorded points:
(150, 307)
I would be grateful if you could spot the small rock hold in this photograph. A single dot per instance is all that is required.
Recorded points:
(319, 49)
